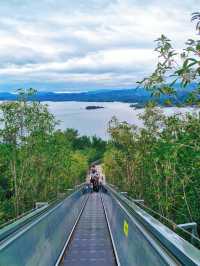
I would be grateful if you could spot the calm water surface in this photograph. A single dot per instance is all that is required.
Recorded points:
(95, 122)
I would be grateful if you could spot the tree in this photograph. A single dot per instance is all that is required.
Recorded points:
(38, 162)
(173, 68)
(160, 161)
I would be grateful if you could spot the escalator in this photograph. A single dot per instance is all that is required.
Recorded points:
(90, 243)
(86, 229)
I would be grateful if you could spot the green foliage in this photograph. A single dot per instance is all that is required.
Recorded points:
(158, 163)
(176, 68)
(196, 16)
(37, 162)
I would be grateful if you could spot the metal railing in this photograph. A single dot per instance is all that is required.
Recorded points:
(138, 238)
(41, 240)
(178, 248)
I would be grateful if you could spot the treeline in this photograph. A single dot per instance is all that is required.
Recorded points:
(158, 163)
(38, 162)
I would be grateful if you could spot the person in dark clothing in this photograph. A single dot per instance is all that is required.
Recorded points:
(96, 185)
(94, 180)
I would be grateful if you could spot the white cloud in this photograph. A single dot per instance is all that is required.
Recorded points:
(108, 43)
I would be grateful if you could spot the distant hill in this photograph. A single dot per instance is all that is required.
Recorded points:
(126, 95)
(123, 95)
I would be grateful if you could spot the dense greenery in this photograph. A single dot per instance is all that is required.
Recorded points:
(37, 162)
(160, 162)
(159, 166)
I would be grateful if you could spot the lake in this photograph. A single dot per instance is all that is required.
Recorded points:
(95, 122)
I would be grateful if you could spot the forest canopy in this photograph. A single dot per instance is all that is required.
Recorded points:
(38, 162)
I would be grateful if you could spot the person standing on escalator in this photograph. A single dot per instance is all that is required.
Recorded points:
(94, 180)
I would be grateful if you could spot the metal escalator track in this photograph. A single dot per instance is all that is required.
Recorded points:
(90, 243)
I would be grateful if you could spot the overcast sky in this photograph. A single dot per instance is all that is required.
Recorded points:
(90, 44)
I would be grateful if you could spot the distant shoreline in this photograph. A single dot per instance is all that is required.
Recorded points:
(137, 98)
(135, 105)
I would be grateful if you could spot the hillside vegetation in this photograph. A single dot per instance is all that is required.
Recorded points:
(160, 163)
(38, 163)
(159, 166)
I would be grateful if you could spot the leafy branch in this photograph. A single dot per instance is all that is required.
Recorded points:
(174, 68)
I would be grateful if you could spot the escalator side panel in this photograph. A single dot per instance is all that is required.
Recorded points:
(41, 242)
(133, 246)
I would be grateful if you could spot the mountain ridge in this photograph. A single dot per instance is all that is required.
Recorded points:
(120, 95)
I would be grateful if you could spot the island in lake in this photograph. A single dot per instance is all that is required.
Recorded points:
(137, 105)
(92, 107)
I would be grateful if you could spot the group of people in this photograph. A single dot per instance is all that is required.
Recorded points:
(95, 179)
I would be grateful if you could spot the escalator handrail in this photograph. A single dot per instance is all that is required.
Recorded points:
(185, 252)
(9, 230)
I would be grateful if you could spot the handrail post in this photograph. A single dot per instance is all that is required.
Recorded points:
(190, 226)
(138, 201)
(124, 193)
(41, 204)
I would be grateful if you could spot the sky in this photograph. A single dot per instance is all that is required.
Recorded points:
(81, 45)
